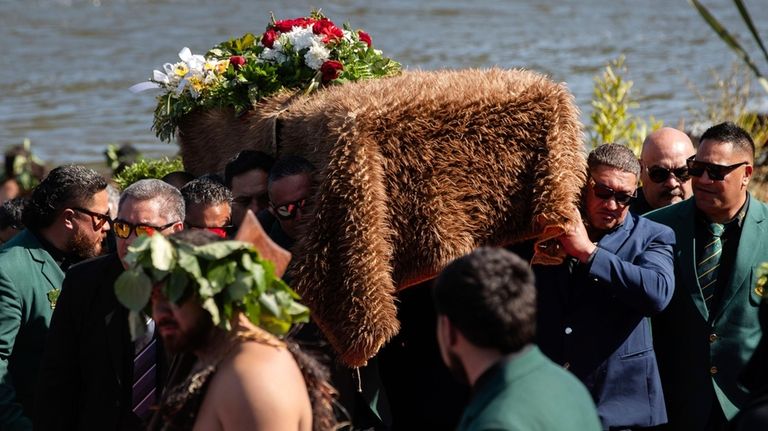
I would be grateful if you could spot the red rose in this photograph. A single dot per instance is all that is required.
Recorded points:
(237, 61)
(331, 70)
(364, 37)
(288, 24)
(328, 29)
(269, 37)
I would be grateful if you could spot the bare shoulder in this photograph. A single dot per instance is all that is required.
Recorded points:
(259, 386)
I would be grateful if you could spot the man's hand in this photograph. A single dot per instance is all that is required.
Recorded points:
(575, 240)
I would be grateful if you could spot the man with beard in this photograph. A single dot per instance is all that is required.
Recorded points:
(593, 308)
(66, 219)
(93, 376)
(486, 308)
(664, 173)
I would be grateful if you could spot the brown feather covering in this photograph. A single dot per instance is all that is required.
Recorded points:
(414, 171)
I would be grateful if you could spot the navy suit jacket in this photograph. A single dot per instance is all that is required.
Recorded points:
(593, 319)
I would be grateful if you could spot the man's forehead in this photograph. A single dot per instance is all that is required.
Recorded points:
(141, 211)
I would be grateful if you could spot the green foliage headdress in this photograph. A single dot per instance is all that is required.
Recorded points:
(225, 276)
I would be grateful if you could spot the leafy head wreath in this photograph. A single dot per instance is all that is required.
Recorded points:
(226, 277)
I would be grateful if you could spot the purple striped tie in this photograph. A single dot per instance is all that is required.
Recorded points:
(144, 380)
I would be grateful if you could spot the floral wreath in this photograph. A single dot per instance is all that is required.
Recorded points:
(226, 276)
(301, 53)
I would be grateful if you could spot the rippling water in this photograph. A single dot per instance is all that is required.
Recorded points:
(67, 64)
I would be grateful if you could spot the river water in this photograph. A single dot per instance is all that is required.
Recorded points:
(67, 64)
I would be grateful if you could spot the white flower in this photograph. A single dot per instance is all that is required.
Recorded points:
(273, 55)
(316, 56)
(348, 36)
(194, 62)
(300, 37)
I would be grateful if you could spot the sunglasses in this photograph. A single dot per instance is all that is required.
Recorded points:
(262, 200)
(715, 172)
(659, 174)
(97, 219)
(123, 229)
(604, 192)
(288, 211)
(221, 231)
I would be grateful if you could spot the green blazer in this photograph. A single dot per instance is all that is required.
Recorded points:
(530, 392)
(701, 356)
(27, 274)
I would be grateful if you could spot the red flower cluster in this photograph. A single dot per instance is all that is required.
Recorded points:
(364, 37)
(237, 61)
(331, 70)
(323, 26)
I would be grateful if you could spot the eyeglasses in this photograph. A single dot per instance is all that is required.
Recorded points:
(221, 231)
(262, 200)
(123, 229)
(288, 211)
(659, 174)
(604, 192)
(97, 219)
(715, 172)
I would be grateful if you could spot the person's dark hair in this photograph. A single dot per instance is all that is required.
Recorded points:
(730, 132)
(207, 192)
(10, 214)
(178, 178)
(172, 203)
(195, 237)
(288, 166)
(247, 160)
(615, 156)
(489, 295)
(64, 187)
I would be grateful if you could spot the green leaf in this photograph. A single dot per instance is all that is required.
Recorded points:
(240, 287)
(268, 301)
(133, 289)
(748, 20)
(221, 274)
(162, 253)
(176, 286)
(210, 306)
(220, 249)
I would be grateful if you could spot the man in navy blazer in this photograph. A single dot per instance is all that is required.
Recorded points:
(594, 309)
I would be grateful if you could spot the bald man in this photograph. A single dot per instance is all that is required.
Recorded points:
(664, 173)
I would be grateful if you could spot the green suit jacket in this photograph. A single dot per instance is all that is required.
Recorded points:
(701, 356)
(27, 274)
(527, 393)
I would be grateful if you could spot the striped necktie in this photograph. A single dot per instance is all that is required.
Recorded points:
(144, 380)
(709, 262)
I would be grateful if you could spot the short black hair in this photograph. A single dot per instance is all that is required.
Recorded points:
(733, 134)
(206, 191)
(10, 213)
(288, 166)
(490, 296)
(615, 156)
(247, 160)
(64, 187)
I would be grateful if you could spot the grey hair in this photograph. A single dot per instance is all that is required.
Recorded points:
(171, 201)
(615, 156)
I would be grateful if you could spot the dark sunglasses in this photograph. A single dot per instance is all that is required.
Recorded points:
(262, 200)
(715, 172)
(288, 211)
(123, 229)
(221, 231)
(658, 174)
(604, 192)
(98, 220)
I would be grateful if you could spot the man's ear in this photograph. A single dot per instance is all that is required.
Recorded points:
(448, 332)
(177, 227)
(68, 218)
(747, 175)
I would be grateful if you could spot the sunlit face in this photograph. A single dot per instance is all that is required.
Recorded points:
(87, 235)
(212, 217)
(721, 200)
(286, 191)
(249, 191)
(148, 212)
(670, 156)
(185, 327)
(606, 214)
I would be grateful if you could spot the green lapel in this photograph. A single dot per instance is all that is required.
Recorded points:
(52, 273)
(753, 233)
(686, 253)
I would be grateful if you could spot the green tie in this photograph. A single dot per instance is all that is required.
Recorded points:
(709, 263)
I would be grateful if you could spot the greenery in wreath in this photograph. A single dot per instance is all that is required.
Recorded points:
(302, 53)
